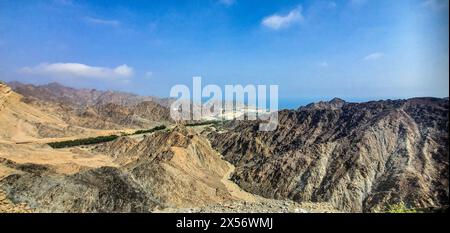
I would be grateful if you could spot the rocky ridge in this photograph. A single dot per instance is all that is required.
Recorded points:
(358, 156)
(55, 92)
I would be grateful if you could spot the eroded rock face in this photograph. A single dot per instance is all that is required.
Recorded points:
(177, 167)
(169, 168)
(104, 189)
(359, 157)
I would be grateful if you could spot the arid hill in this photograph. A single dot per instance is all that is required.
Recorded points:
(358, 156)
(22, 122)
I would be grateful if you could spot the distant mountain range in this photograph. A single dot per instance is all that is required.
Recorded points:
(95, 109)
(56, 92)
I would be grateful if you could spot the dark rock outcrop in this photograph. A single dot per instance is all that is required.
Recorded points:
(104, 189)
(358, 156)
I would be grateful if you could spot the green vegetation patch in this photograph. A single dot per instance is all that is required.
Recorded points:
(157, 128)
(400, 208)
(213, 122)
(100, 139)
(83, 141)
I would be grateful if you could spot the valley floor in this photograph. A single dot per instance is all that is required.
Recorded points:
(261, 205)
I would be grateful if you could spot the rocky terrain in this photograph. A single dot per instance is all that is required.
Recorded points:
(325, 157)
(175, 168)
(104, 189)
(6, 206)
(360, 157)
(261, 206)
(178, 167)
(65, 180)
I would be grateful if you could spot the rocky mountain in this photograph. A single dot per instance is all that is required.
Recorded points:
(358, 156)
(145, 114)
(95, 109)
(22, 122)
(55, 92)
(323, 157)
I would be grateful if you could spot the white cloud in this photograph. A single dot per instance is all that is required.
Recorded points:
(104, 22)
(79, 70)
(436, 4)
(373, 56)
(123, 70)
(277, 21)
(227, 2)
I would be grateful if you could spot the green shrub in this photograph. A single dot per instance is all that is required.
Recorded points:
(213, 122)
(400, 208)
(100, 139)
(161, 127)
(83, 141)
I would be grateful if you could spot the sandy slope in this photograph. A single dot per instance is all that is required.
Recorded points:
(22, 122)
(64, 161)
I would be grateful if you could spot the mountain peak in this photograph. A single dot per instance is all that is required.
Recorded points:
(336, 100)
(334, 103)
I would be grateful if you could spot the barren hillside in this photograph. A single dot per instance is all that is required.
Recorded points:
(21, 122)
(359, 157)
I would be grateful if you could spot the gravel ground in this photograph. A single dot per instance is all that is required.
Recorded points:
(264, 206)
(261, 206)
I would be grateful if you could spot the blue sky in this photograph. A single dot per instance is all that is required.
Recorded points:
(353, 49)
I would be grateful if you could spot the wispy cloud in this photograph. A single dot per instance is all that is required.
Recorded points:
(436, 4)
(78, 70)
(227, 2)
(278, 21)
(374, 56)
(104, 22)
